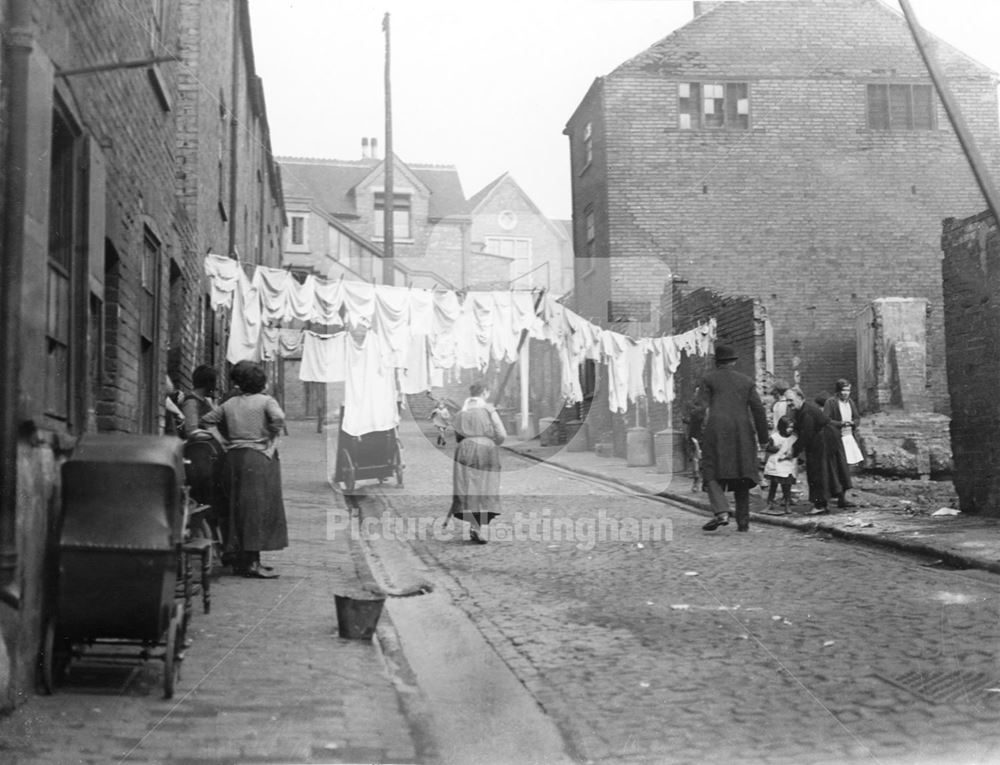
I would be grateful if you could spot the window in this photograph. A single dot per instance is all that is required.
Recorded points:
(901, 107)
(297, 232)
(518, 251)
(400, 216)
(149, 303)
(62, 208)
(588, 144)
(713, 105)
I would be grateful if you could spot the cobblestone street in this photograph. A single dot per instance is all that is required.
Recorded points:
(773, 646)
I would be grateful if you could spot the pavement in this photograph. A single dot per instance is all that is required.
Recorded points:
(266, 677)
(879, 518)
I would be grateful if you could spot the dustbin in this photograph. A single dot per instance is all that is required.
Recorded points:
(358, 617)
(663, 451)
(639, 447)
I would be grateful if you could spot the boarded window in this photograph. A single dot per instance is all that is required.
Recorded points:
(713, 105)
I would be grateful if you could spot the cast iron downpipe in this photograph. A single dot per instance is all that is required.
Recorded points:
(234, 128)
(17, 45)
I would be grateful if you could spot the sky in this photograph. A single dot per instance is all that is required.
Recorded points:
(484, 85)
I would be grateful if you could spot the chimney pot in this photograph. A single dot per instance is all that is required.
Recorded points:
(364, 148)
(374, 145)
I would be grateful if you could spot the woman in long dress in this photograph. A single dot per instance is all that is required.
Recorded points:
(843, 412)
(476, 474)
(819, 440)
(251, 472)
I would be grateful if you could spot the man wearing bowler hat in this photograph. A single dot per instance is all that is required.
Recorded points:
(728, 445)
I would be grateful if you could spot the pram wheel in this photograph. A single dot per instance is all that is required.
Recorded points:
(54, 659)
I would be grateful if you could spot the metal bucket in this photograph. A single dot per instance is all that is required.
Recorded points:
(358, 617)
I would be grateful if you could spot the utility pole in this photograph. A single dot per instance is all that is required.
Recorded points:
(388, 196)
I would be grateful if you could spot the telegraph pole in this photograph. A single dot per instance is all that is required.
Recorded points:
(388, 197)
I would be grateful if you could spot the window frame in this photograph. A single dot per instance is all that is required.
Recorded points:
(400, 212)
(588, 145)
(727, 112)
(303, 219)
(885, 122)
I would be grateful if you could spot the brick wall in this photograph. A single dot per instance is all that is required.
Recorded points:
(138, 166)
(971, 278)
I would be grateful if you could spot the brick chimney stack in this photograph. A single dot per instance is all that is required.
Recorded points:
(364, 149)
(704, 6)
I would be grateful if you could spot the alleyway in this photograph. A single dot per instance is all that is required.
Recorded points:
(554, 643)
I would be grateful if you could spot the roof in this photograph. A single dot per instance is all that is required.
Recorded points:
(788, 38)
(484, 196)
(331, 182)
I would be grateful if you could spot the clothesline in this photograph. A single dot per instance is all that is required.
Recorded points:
(420, 334)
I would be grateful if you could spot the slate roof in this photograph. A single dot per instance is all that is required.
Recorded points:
(788, 38)
(330, 184)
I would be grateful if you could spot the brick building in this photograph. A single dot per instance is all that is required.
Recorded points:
(113, 188)
(507, 223)
(791, 151)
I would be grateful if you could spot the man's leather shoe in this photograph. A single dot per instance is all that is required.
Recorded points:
(712, 525)
(845, 504)
(819, 510)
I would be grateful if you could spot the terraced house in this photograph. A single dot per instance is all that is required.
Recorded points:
(134, 138)
(792, 151)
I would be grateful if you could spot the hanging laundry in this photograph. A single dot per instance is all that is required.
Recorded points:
(392, 322)
(245, 324)
(475, 331)
(302, 299)
(328, 298)
(290, 343)
(369, 390)
(415, 376)
(614, 350)
(524, 316)
(505, 337)
(324, 357)
(273, 286)
(663, 364)
(359, 302)
(444, 341)
(637, 353)
(569, 374)
(268, 350)
(223, 277)
(421, 312)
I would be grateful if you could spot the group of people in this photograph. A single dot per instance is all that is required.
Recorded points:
(729, 424)
(244, 484)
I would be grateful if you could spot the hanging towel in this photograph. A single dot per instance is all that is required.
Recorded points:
(359, 301)
(323, 357)
(244, 324)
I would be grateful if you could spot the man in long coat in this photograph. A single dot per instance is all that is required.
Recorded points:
(736, 424)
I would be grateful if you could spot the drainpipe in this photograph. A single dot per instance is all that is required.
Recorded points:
(18, 42)
(234, 132)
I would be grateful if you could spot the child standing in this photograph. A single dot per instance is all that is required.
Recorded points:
(441, 417)
(780, 468)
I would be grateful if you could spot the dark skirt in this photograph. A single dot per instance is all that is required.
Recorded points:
(256, 511)
(476, 481)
